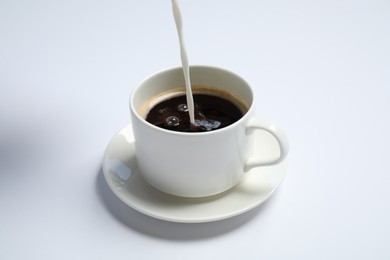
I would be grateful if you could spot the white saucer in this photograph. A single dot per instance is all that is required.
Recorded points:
(121, 173)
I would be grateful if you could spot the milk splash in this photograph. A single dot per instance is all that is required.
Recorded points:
(184, 60)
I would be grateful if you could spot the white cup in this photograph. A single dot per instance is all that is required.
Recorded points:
(205, 163)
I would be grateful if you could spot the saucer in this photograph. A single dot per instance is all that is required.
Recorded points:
(124, 179)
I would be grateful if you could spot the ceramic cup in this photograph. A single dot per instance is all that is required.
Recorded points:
(205, 163)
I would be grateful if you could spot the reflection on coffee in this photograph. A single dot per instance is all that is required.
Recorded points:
(212, 112)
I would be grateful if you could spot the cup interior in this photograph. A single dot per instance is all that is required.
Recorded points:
(200, 75)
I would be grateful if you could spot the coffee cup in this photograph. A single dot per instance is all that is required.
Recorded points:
(198, 164)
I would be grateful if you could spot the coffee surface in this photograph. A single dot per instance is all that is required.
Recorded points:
(211, 113)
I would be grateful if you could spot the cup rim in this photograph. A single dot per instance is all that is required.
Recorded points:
(172, 132)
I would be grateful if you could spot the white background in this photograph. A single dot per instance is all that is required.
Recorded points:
(321, 69)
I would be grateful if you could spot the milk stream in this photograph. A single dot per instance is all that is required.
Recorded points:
(184, 60)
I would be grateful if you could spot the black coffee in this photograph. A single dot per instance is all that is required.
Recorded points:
(211, 113)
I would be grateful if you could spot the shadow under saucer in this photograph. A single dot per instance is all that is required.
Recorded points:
(150, 226)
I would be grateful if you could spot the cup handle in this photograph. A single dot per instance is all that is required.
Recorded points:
(276, 132)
